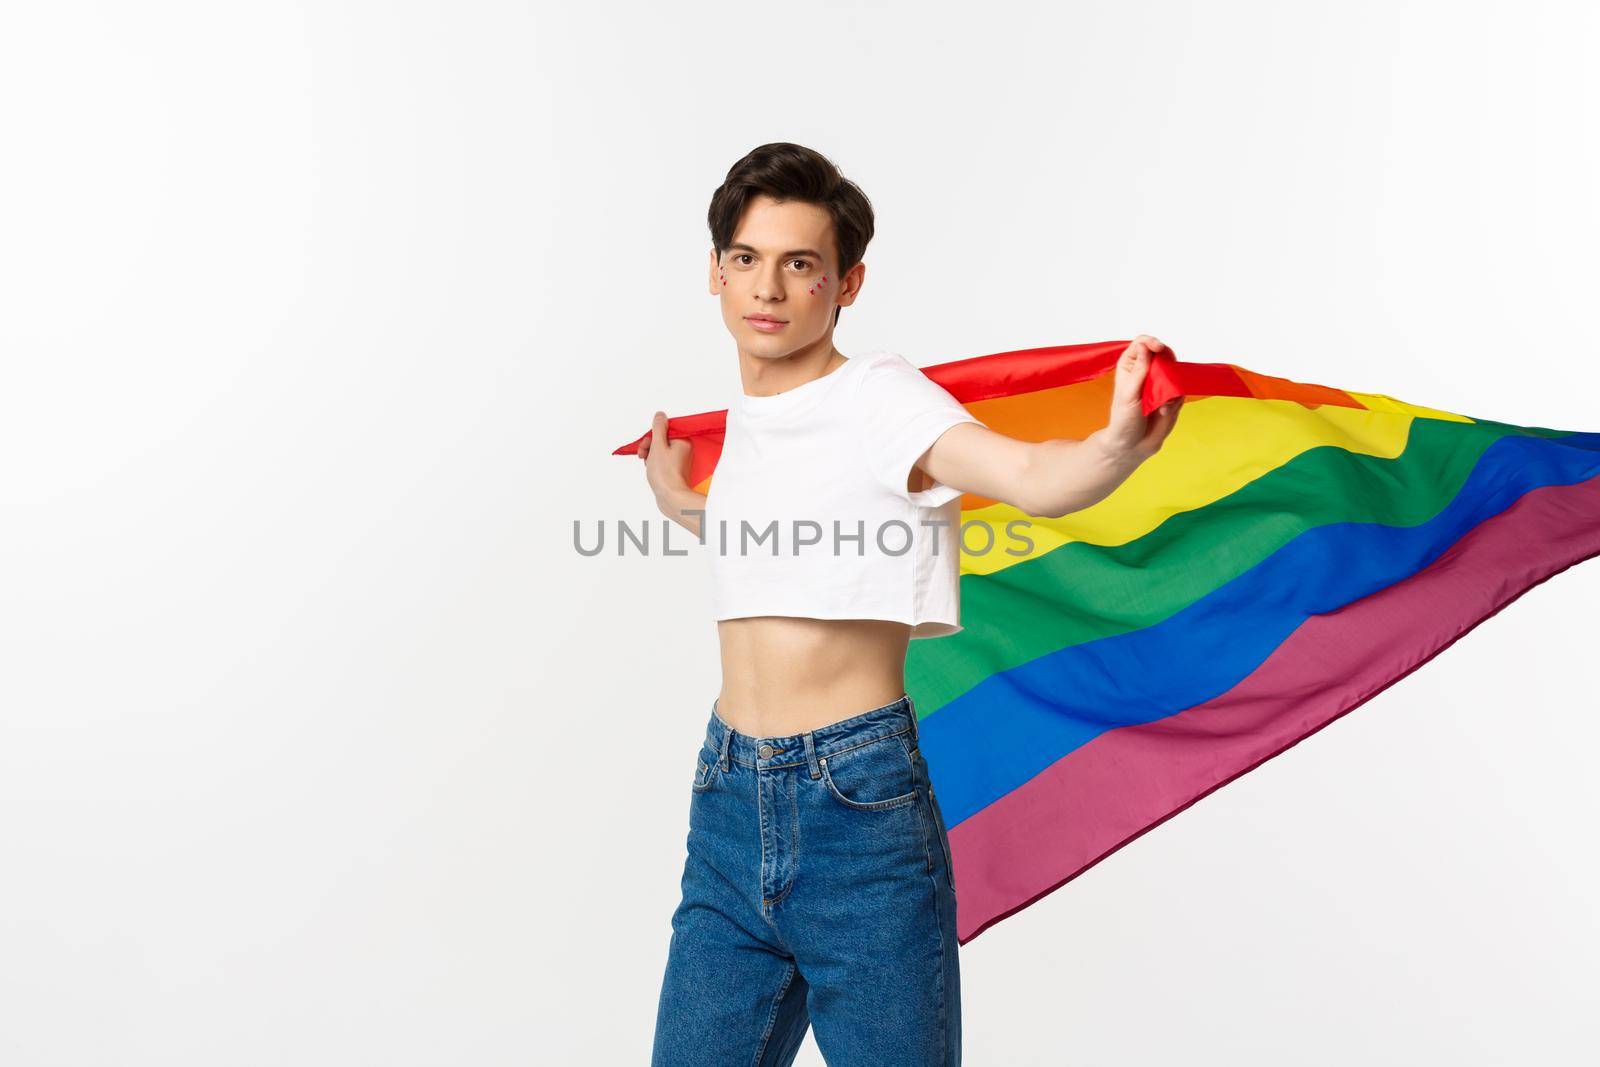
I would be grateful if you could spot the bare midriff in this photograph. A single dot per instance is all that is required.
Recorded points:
(784, 675)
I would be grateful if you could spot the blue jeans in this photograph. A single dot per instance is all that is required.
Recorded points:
(817, 892)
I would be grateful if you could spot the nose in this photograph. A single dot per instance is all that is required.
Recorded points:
(769, 284)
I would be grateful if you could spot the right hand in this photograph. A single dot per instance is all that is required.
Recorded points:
(666, 463)
(1128, 434)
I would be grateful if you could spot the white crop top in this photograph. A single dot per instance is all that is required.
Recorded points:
(808, 513)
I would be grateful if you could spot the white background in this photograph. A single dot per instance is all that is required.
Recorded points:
(319, 743)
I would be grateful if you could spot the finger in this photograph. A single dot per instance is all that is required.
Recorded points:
(1154, 431)
(658, 430)
(1158, 415)
(1135, 361)
(1168, 424)
(1127, 386)
(1166, 419)
(1129, 360)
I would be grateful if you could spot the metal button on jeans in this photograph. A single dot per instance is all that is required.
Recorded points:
(765, 751)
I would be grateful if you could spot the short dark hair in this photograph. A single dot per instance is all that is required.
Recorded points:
(787, 171)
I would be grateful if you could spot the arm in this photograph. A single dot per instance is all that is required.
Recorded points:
(674, 504)
(1055, 478)
(666, 468)
(1044, 478)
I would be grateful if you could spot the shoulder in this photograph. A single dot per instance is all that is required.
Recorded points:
(885, 366)
(883, 357)
(891, 390)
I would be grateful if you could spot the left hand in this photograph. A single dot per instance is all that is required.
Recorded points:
(1129, 434)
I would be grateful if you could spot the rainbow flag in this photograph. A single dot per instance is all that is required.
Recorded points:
(1290, 552)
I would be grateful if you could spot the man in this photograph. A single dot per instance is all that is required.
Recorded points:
(817, 891)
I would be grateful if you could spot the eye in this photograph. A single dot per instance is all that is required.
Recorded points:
(805, 264)
(742, 255)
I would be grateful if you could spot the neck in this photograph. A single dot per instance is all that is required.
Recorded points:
(761, 375)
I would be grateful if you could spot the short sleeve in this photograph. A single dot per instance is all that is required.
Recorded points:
(904, 412)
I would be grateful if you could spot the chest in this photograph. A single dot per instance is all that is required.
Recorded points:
(820, 474)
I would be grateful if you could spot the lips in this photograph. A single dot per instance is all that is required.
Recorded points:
(764, 318)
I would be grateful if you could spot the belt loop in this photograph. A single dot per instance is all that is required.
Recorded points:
(912, 705)
(727, 747)
(811, 755)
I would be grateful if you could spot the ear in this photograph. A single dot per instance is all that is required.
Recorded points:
(714, 278)
(850, 284)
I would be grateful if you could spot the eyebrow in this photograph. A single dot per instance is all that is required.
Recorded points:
(742, 247)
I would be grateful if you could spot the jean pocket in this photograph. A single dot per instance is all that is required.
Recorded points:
(943, 834)
(705, 770)
(874, 776)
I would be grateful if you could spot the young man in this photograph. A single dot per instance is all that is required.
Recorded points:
(817, 890)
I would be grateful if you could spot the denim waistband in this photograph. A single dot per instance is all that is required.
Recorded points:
(731, 746)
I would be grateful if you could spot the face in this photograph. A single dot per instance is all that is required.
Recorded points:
(782, 263)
